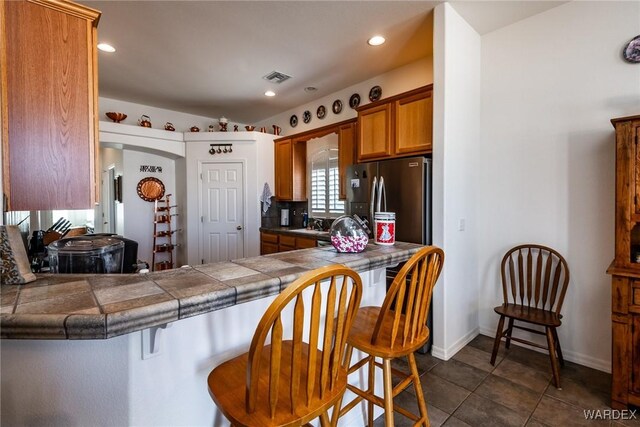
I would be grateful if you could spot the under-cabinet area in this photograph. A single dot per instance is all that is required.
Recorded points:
(283, 240)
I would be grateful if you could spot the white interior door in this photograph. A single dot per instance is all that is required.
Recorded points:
(222, 215)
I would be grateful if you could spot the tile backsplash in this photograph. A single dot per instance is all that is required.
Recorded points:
(271, 218)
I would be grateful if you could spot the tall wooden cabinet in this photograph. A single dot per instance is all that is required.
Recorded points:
(290, 170)
(48, 66)
(346, 153)
(625, 268)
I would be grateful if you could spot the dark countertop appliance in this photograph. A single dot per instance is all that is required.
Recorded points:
(86, 254)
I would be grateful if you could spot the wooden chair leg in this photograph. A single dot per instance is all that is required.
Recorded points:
(388, 393)
(372, 382)
(418, 389)
(324, 420)
(496, 343)
(336, 412)
(509, 331)
(552, 356)
(558, 348)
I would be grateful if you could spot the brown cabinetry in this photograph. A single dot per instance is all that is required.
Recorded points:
(290, 170)
(49, 104)
(625, 269)
(346, 153)
(271, 243)
(396, 127)
(268, 243)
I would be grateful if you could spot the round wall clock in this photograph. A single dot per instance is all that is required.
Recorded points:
(306, 116)
(293, 121)
(631, 52)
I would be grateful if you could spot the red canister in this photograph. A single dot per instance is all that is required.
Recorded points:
(385, 228)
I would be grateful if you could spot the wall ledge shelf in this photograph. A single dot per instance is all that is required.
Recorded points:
(165, 143)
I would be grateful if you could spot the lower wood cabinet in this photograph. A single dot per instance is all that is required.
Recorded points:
(271, 243)
(625, 323)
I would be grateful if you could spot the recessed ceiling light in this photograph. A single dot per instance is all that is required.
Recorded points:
(105, 47)
(310, 89)
(269, 93)
(376, 40)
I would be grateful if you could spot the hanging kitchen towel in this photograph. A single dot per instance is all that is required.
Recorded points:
(266, 197)
(14, 263)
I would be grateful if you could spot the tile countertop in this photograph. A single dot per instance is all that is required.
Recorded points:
(77, 306)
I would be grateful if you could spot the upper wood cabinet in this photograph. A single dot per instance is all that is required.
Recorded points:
(414, 124)
(49, 104)
(375, 130)
(346, 153)
(290, 170)
(396, 127)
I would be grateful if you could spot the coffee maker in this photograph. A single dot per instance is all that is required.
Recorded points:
(284, 217)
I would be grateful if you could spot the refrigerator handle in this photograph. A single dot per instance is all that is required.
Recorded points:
(382, 195)
(372, 201)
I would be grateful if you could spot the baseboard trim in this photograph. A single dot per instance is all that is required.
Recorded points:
(448, 353)
(571, 356)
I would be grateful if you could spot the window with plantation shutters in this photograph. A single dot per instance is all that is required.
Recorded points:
(325, 184)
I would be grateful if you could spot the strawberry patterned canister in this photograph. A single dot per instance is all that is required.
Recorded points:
(385, 228)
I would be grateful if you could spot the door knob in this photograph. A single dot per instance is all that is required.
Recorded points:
(239, 227)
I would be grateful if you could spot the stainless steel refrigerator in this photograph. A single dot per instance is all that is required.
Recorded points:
(406, 186)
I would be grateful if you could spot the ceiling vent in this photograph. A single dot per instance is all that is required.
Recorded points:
(276, 77)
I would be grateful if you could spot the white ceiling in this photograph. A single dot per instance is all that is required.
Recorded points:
(208, 57)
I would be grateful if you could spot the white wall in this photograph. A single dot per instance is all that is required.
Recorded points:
(158, 116)
(550, 85)
(456, 136)
(394, 82)
(138, 220)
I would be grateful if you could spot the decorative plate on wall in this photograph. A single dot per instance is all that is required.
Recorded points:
(375, 93)
(150, 189)
(306, 116)
(321, 112)
(354, 101)
(631, 52)
(337, 106)
(293, 121)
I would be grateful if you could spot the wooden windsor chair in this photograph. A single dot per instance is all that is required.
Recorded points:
(396, 329)
(290, 382)
(533, 275)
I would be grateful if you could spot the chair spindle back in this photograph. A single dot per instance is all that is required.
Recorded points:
(423, 268)
(323, 351)
(532, 275)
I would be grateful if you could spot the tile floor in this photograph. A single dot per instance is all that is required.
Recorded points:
(468, 391)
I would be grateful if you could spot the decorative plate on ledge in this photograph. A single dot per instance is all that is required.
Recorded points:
(306, 116)
(337, 106)
(150, 189)
(293, 121)
(375, 93)
(354, 101)
(321, 112)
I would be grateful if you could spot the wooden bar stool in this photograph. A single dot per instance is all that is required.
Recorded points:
(290, 382)
(396, 329)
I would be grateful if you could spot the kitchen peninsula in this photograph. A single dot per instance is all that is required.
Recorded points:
(136, 349)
